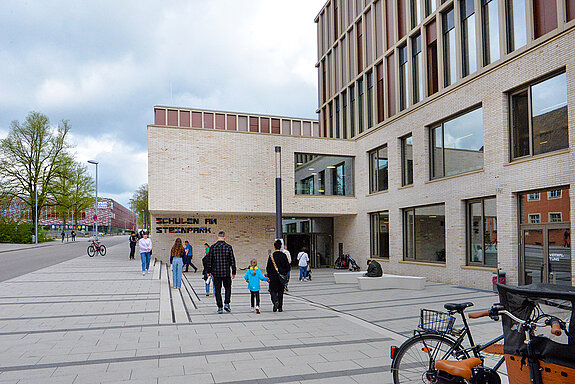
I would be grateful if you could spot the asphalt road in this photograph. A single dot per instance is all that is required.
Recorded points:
(19, 262)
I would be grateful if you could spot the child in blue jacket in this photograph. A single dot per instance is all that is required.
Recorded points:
(253, 277)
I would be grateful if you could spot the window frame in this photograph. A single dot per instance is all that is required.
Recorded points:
(334, 185)
(403, 141)
(531, 216)
(373, 175)
(534, 196)
(404, 224)
(550, 194)
(529, 89)
(374, 243)
(431, 142)
(549, 220)
(468, 229)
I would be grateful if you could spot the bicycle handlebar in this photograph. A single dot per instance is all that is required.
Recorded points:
(555, 328)
(478, 314)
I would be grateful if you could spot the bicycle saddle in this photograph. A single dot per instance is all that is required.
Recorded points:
(459, 368)
(458, 307)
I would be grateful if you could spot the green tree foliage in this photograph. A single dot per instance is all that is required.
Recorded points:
(12, 231)
(29, 158)
(139, 204)
(72, 189)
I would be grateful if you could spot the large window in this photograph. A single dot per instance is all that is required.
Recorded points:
(378, 178)
(539, 118)
(491, 47)
(369, 77)
(468, 37)
(323, 175)
(344, 114)
(337, 117)
(407, 160)
(482, 232)
(449, 50)
(360, 104)
(417, 63)
(416, 13)
(352, 111)
(457, 145)
(424, 234)
(379, 235)
(516, 24)
(403, 82)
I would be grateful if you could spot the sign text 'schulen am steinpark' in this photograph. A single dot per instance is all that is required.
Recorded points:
(180, 225)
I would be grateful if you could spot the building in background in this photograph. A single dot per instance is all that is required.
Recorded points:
(440, 123)
(112, 217)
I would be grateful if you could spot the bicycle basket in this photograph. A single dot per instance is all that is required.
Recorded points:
(435, 321)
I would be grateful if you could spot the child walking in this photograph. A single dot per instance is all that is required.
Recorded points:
(253, 276)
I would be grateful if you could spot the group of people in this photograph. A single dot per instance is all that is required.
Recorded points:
(219, 269)
(72, 234)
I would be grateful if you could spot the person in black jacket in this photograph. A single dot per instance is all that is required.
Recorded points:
(277, 264)
(374, 269)
(133, 241)
(220, 260)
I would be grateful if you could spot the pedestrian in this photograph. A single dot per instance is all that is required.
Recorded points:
(374, 269)
(133, 241)
(63, 234)
(176, 260)
(145, 252)
(206, 248)
(188, 257)
(207, 279)
(252, 277)
(73, 235)
(288, 255)
(220, 260)
(303, 260)
(277, 269)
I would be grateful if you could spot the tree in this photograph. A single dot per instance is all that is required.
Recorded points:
(29, 157)
(139, 204)
(72, 190)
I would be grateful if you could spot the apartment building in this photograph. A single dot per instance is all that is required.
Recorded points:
(444, 145)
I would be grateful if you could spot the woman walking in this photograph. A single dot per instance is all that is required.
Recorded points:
(303, 260)
(145, 246)
(176, 259)
(277, 270)
(207, 279)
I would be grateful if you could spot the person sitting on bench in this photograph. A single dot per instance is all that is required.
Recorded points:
(373, 269)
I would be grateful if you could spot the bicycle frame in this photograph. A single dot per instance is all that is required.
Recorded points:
(475, 349)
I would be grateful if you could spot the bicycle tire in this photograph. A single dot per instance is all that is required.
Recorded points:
(414, 365)
(91, 251)
(102, 250)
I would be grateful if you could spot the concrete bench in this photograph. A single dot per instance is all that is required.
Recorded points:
(391, 281)
(347, 277)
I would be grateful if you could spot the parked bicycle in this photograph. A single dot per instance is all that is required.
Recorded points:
(96, 247)
(435, 353)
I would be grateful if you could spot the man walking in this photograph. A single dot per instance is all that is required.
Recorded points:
(133, 241)
(220, 259)
(189, 254)
(73, 235)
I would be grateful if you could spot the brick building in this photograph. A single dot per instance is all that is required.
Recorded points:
(439, 123)
(112, 215)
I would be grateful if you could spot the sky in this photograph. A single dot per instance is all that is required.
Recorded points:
(103, 65)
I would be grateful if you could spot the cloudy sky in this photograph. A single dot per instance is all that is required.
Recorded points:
(104, 64)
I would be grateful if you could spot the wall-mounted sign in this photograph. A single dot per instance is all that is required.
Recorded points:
(185, 225)
(102, 204)
(270, 229)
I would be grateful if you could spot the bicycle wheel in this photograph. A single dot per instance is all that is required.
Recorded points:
(102, 250)
(91, 251)
(415, 359)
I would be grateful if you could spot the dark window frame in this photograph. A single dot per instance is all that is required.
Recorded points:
(404, 213)
(374, 232)
(404, 178)
(373, 176)
(515, 92)
(468, 229)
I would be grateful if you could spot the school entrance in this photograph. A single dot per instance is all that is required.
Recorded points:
(545, 235)
(315, 234)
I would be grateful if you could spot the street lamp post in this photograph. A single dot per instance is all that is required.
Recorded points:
(36, 184)
(278, 156)
(96, 164)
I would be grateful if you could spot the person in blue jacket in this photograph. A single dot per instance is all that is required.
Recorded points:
(253, 276)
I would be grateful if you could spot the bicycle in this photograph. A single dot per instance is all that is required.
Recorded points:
(446, 361)
(96, 247)
(436, 339)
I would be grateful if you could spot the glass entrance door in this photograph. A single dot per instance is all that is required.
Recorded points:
(559, 240)
(533, 251)
(547, 255)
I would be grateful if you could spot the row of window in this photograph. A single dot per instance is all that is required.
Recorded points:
(424, 227)
(416, 58)
(424, 233)
(323, 175)
(538, 125)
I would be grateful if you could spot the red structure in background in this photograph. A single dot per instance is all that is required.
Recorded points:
(112, 216)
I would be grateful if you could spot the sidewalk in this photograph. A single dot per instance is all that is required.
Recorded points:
(92, 320)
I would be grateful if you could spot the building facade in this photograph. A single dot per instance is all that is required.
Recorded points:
(444, 146)
(112, 217)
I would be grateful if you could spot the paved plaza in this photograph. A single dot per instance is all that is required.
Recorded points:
(91, 320)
